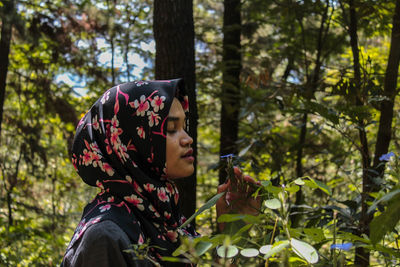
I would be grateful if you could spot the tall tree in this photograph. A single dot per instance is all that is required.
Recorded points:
(7, 13)
(230, 89)
(174, 35)
(384, 136)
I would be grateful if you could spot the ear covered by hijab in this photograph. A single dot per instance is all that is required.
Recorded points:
(120, 147)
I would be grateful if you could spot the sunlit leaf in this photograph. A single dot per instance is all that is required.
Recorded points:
(273, 204)
(202, 247)
(249, 252)
(227, 251)
(304, 250)
(276, 248)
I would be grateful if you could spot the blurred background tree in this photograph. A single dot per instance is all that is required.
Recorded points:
(293, 88)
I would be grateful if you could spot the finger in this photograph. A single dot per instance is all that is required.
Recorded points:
(238, 172)
(224, 187)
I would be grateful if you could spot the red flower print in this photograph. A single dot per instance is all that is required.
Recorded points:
(136, 201)
(152, 209)
(99, 185)
(107, 168)
(140, 240)
(162, 195)
(114, 122)
(87, 157)
(154, 118)
(148, 187)
(167, 215)
(170, 188)
(141, 132)
(158, 103)
(105, 207)
(110, 199)
(136, 187)
(173, 236)
(141, 107)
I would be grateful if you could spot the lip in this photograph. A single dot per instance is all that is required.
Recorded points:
(189, 153)
(188, 156)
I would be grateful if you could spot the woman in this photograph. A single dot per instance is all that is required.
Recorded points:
(132, 144)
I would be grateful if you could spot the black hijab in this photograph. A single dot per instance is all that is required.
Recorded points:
(120, 147)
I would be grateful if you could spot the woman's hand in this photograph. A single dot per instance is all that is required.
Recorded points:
(238, 199)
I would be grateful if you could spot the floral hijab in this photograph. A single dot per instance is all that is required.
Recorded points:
(120, 147)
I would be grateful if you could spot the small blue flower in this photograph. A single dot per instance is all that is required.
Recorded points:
(344, 246)
(228, 156)
(386, 157)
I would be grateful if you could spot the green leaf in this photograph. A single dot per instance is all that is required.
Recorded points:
(202, 247)
(249, 252)
(299, 181)
(276, 248)
(386, 221)
(273, 204)
(318, 184)
(304, 250)
(227, 251)
(265, 249)
(292, 189)
(206, 206)
(316, 234)
(227, 217)
(385, 198)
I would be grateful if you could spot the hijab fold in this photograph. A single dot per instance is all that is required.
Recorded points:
(120, 147)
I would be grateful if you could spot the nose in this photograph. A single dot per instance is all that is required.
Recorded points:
(186, 140)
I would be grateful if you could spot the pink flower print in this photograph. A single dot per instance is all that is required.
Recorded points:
(151, 158)
(162, 195)
(96, 158)
(140, 83)
(128, 178)
(99, 185)
(158, 103)
(108, 147)
(136, 187)
(107, 168)
(167, 215)
(148, 187)
(170, 188)
(152, 209)
(114, 122)
(154, 118)
(95, 123)
(95, 147)
(140, 240)
(87, 157)
(136, 201)
(105, 207)
(141, 132)
(141, 107)
(185, 104)
(105, 97)
(173, 236)
(110, 199)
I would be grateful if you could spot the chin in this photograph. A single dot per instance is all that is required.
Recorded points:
(181, 174)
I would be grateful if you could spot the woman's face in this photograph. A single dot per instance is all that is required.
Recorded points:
(179, 153)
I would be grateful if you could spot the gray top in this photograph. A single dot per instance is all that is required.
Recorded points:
(102, 245)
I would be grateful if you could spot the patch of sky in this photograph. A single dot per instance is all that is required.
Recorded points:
(136, 64)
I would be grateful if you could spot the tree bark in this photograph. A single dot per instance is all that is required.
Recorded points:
(174, 35)
(230, 96)
(5, 42)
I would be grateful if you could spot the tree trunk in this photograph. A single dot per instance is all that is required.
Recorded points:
(174, 35)
(230, 97)
(5, 42)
